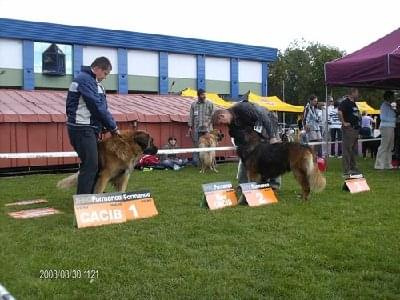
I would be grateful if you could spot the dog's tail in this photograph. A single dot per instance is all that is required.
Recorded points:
(68, 182)
(316, 180)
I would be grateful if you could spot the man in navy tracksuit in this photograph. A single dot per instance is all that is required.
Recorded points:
(87, 116)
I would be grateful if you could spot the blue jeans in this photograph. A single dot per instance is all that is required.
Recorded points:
(169, 163)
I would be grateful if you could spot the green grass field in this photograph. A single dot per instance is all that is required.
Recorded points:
(336, 246)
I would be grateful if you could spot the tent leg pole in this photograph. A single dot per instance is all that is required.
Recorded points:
(326, 124)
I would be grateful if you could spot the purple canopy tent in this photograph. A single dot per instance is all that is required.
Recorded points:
(376, 65)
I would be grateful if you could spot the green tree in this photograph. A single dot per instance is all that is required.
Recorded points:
(300, 69)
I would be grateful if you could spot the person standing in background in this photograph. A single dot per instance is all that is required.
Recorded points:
(366, 125)
(312, 122)
(321, 110)
(335, 127)
(388, 122)
(397, 135)
(350, 118)
(199, 118)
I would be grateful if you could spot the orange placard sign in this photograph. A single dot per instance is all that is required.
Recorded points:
(357, 185)
(258, 194)
(140, 209)
(219, 195)
(102, 209)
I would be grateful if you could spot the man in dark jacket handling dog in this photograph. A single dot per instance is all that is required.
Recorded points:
(87, 116)
(246, 116)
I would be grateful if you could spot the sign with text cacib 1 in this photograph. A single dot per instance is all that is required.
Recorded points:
(258, 194)
(219, 195)
(110, 208)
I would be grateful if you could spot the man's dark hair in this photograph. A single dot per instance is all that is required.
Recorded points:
(312, 97)
(336, 104)
(388, 95)
(200, 91)
(102, 63)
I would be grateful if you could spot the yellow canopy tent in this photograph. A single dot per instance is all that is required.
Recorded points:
(214, 98)
(273, 103)
(364, 106)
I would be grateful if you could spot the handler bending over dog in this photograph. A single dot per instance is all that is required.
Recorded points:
(249, 116)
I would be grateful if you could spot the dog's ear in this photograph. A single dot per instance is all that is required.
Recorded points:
(142, 139)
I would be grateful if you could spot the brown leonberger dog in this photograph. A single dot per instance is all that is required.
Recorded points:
(117, 158)
(207, 159)
(264, 161)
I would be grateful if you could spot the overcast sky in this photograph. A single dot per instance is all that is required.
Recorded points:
(348, 25)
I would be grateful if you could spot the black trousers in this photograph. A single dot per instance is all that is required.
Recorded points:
(84, 141)
(397, 142)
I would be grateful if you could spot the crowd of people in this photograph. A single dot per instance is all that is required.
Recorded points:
(343, 123)
(339, 121)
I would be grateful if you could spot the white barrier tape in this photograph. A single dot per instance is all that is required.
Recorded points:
(38, 155)
(190, 150)
(74, 154)
(27, 155)
(324, 143)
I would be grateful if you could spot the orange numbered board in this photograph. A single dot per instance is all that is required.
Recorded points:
(139, 209)
(102, 209)
(219, 195)
(357, 185)
(221, 199)
(258, 194)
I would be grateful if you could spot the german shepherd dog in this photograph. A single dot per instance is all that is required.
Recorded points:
(264, 161)
(117, 158)
(207, 159)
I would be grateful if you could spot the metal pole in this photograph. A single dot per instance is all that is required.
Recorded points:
(326, 122)
(283, 98)
(326, 117)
